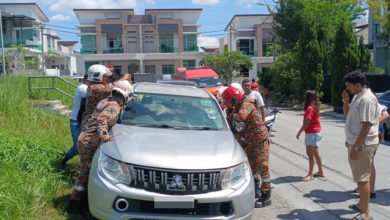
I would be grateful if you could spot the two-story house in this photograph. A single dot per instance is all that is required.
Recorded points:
(157, 42)
(24, 24)
(65, 63)
(252, 35)
(379, 44)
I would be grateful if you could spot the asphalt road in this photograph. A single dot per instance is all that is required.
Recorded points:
(322, 198)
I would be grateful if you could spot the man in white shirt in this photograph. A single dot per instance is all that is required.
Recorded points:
(75, 119)
(361, 131)
(255, 95)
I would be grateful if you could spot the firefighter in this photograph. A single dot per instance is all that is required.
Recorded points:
(251, 133)
(99, 88)
(96, 130)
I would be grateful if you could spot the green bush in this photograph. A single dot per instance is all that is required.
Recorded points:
(285, 77)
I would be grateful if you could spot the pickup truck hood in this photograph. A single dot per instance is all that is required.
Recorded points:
(173, 149)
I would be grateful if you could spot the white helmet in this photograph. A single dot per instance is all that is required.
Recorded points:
(96, 73)
(238, 86)
(124, 87)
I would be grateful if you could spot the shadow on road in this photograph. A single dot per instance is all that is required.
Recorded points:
(322, 214)
(383, 197)
(327, 197)
(287, 179)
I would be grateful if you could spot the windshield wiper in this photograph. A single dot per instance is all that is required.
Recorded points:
(203, 128)
(159, 126)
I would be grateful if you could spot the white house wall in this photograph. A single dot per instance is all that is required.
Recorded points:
(80, 65)
(73, 65)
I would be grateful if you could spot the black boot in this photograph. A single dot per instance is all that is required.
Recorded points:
(256, 180)
(264, 200)
(84, 202)
(257, 190)
(74, 206)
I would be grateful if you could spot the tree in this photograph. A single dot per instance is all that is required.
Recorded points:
(265, 78)
(345, 58)
(285, 76)
(270, 50)
(287, 22)
(364, 56)
(33, 63)
(379, 9)
(308, 28)
(288, 17)
(17, 53)
(49, 54)
(310, 58)
(227, 62)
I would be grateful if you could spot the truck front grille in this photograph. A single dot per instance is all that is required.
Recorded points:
(176, 182)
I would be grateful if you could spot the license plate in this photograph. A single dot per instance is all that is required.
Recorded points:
(174, 202)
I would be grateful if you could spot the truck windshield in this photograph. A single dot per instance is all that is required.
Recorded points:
(205, 82)
(173, 111)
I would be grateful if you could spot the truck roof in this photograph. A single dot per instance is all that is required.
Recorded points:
(201, 72)
(169, 89)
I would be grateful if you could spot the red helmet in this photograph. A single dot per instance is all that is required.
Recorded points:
(110, 67)
(232, 94)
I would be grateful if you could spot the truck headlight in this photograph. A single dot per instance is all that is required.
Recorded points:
(236, 176)
(114, 170)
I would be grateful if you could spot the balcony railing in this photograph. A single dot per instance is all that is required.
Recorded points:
(191, 49)
(165, 49)
(113, 50)
(249, 53)
(26, 43)
(88, 51)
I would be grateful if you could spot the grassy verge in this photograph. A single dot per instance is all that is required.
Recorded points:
(31, 145)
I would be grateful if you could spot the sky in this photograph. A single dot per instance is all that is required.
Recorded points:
(214, 17)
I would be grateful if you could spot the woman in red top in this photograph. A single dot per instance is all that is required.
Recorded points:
(313, 134)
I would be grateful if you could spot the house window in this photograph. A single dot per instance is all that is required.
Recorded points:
(189, 64)
(166, 43)
(190, 42)
(267, 45)
(113, 42)
(148, 36)
(88, 44)
(246, 47)
(49, 46)
(267, 35)
(114, 45)
(168, 69)
(149, 46)
(132, 37)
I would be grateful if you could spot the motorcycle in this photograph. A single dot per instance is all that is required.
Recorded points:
(271, 117)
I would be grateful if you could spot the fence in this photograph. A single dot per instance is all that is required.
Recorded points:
(52, 87)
